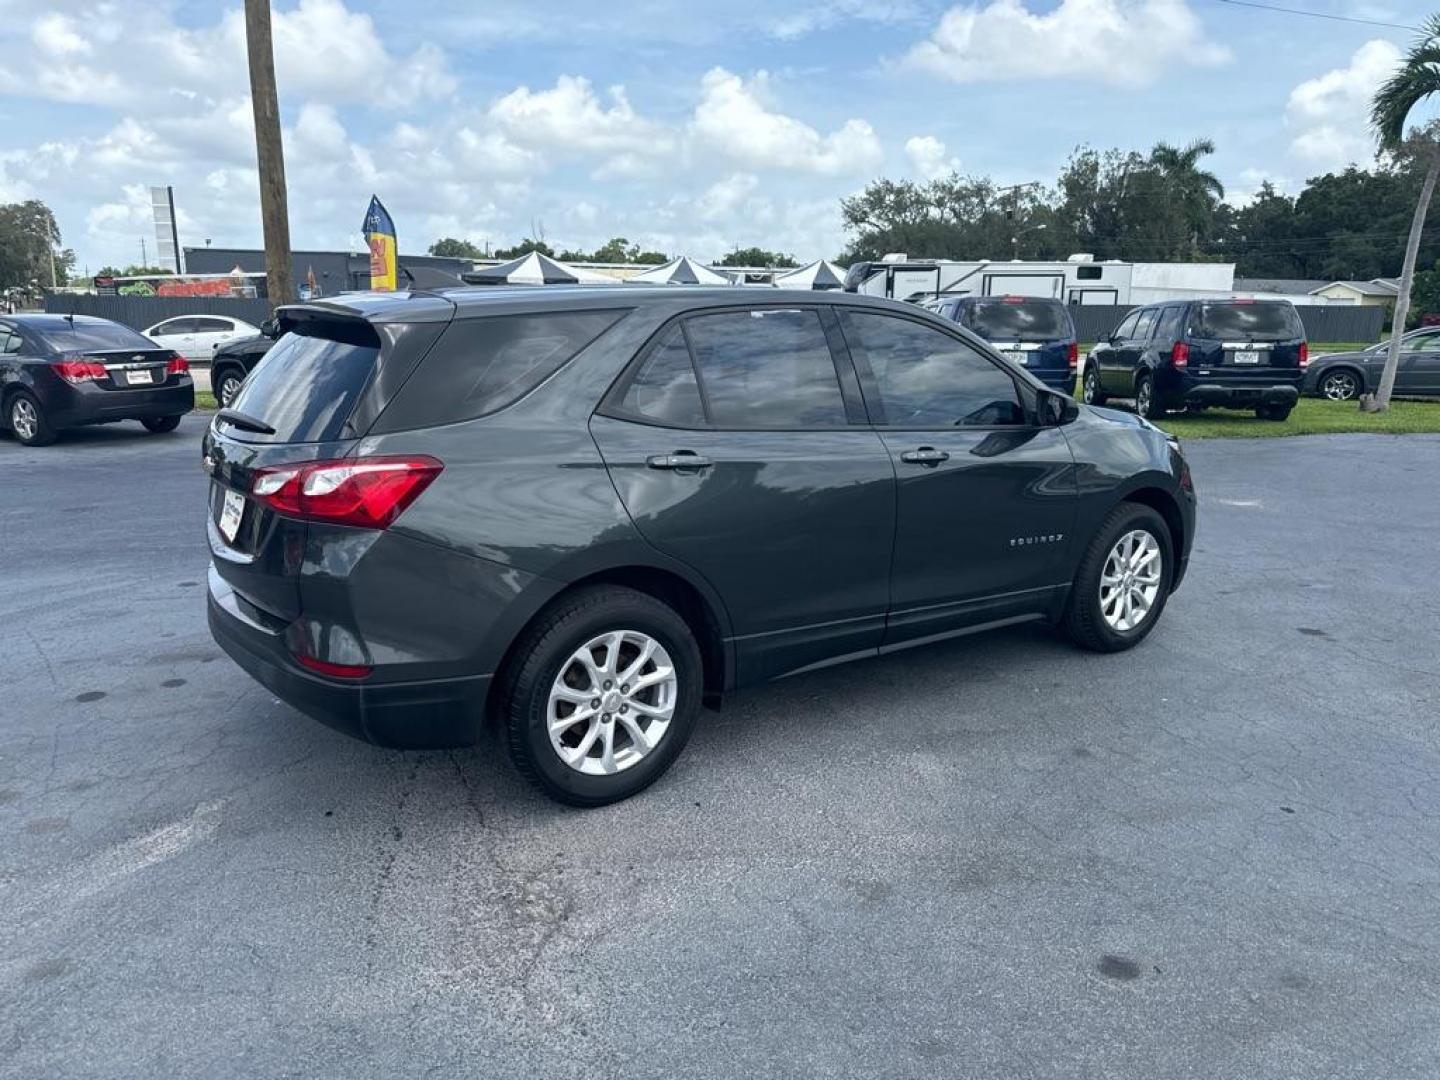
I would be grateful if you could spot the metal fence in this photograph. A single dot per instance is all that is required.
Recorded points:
(1323, 322)
(141, 312)
(1092, 322)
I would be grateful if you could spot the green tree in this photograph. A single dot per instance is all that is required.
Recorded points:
(754, 256)
(1199, 192)
(525, 247)
(452, 248)
(29, 238)
(1415, 81)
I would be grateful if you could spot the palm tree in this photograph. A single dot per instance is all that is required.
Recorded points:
(1197, 191)
(1414, 81)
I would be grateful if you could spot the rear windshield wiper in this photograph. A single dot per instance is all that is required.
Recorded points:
(245, 421)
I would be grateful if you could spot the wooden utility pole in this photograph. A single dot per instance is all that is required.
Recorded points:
(270, 154)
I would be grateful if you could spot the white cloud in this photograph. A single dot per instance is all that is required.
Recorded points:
(724, 197)
(56, 35)
(323, 52)
(927, 157)
(1124, 42)
(732, 120)
(1330, 113)
(569, 120)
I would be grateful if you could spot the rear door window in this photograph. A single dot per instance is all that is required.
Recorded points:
(766, 368)
(1247, 322)
(1145, 325)
(308, 383)
(1169, 327)
(664, 390)
(481, 365)
(1012, 319)
(213, 326)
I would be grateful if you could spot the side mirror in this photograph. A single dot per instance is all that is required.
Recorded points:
(270, 327)
(1056, 408)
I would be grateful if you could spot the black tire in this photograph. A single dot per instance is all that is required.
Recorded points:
(541, 656)
(26, 420)
(1340, 384)
(1084, 621)
(226, 384)
(159, 425)
(1274, 412)
(1090, 391)
(1147, 403)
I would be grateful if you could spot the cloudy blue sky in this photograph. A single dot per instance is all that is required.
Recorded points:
(683, 126)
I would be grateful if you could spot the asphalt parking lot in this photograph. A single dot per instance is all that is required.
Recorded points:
(1215, 856)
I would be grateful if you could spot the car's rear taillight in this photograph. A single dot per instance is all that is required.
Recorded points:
(1073, 357)
(178, 365)
(368, 493)
(1180, 355)
(334, 671)
(76, 372)
(1304, 355)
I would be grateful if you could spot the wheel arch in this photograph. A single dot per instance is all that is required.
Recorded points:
(1168, 507)
(701, 612)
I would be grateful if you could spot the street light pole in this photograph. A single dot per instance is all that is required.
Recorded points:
(269, 153)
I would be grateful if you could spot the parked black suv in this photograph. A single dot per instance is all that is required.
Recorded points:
(1194, 354)
(234, 360)
(1035, 332)
(64, 371)
(585, 511)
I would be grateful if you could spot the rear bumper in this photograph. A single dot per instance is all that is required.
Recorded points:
(84, 404)
(427, 715)
(1241, 396)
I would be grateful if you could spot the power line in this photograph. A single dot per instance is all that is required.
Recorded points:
(1320, 15)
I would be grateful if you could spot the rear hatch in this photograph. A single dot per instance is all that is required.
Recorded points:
(1035, 333)
(1247, 341)
(311, 398)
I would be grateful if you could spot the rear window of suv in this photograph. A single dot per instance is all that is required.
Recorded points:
(1017, 320)
(1247, 322)
(307, 384)
(481, 365)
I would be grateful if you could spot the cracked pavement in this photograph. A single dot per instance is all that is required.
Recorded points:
(1217, 855)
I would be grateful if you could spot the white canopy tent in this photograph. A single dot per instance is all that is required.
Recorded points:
(537, 269)
(820, 274)
(681, 271)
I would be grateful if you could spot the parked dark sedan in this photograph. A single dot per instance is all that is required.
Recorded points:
(234, 360)
(1345, 376)
(584, 512)
(63, 371)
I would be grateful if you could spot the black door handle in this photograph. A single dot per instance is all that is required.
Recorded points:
(926, 455)
(681, 459)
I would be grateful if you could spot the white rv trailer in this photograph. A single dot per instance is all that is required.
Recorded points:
(1077, 280)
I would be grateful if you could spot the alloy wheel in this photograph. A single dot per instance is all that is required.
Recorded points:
(1130, 580)
(1089, 388)
(24, 421)
(612, 702)
(1339, 386)
(229, 387)
(1142, 397)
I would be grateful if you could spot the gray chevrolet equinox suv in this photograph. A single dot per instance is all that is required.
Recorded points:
(583, 512)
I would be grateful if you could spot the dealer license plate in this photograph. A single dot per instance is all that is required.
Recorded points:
(139, 378)
(232, 511)
(1247, 356)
